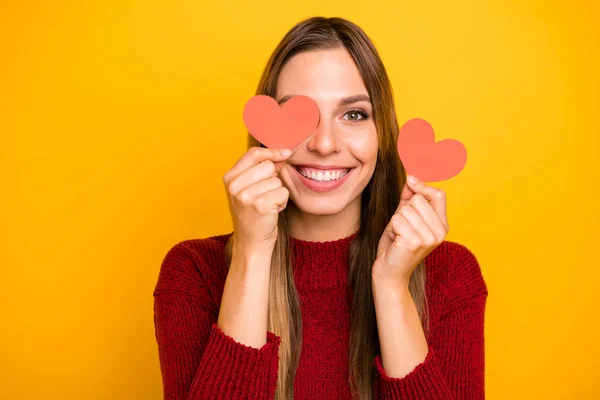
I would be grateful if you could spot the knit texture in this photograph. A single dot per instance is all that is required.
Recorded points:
(199, 361)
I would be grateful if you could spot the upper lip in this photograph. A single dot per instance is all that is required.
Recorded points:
(319, 166)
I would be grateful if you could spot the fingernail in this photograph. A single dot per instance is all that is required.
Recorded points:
(286, 152)
(412, 179)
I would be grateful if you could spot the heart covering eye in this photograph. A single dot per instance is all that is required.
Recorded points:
(281, 127)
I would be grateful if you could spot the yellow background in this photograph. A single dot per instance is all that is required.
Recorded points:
(118, 120)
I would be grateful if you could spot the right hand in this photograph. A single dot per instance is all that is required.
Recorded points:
(256, 196)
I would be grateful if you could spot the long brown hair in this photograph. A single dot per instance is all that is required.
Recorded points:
(380, 199)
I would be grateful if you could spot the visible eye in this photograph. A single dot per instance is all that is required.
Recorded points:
(353, 115)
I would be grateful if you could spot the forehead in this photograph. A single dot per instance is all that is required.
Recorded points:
(321, 74)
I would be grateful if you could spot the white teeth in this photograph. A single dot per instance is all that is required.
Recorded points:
(322, 176)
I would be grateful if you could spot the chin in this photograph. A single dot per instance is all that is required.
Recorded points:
(316, 206)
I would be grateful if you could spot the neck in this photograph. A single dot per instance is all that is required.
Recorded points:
(322, 228)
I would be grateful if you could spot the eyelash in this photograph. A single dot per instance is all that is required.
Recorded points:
(364, 115)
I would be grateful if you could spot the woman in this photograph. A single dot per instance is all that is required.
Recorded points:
(321, 290)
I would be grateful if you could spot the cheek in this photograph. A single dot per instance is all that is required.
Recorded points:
(364, 147)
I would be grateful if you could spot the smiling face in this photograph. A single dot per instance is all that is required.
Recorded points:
(345, 140)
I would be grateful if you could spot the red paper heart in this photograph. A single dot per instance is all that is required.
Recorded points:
(281, 127)
(426, 159)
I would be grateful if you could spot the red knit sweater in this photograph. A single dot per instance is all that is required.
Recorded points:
(199, 361)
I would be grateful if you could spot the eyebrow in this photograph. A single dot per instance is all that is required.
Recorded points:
(343, 102)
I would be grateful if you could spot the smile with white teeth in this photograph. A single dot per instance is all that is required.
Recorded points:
(322, 175)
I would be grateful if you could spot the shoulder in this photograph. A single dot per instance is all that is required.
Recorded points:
(454, 270)
(196, 250)
(192, 264)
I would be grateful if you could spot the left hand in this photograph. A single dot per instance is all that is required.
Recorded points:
(417, 227)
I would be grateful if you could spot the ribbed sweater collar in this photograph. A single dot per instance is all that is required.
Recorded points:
(321, 265)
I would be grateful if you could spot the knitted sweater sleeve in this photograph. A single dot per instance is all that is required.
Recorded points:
(454, 366)
(197, 359)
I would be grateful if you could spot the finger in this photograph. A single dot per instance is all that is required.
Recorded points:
(273, 201)
(428, 214)
(413, 217)
(406, 194)
(399, 225)
(435, 196)
(279, 165)
(254, 156)
(262, 171)
(404, 236)
(248, 195)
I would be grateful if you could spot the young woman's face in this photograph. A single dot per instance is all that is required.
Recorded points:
(344, 140)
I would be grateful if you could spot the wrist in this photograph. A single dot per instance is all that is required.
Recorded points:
(397, 296)
(254, 255)
(252, 249)
(387, 284)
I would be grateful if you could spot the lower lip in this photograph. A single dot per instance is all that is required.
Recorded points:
(323, 186)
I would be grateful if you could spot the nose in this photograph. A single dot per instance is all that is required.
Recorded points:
(325, 138)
